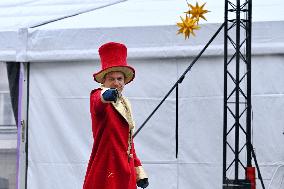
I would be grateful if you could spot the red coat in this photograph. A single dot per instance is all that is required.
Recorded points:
(109, 166)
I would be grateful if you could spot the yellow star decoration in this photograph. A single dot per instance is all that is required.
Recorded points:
(192, 16)
(187, 26)
(197, 11)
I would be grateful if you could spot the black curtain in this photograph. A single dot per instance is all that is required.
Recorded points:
(13, 72)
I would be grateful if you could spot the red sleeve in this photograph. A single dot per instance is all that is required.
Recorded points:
(96, 104)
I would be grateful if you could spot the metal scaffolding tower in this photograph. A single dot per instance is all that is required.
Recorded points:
(237, 148)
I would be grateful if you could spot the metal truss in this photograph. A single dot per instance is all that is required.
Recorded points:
(237, 151)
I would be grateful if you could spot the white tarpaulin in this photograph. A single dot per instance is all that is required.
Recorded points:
(31, 13)
(18, 17)
(60, 137)
(60, 128)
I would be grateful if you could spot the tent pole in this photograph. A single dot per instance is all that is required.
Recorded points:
(22, 127)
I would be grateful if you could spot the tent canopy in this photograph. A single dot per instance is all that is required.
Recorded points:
(31, 13)
(130, 20)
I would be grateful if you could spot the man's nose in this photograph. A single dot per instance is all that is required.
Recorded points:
(116, 82)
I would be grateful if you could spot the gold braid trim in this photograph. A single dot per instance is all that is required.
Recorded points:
(122, 105)
(140, 173)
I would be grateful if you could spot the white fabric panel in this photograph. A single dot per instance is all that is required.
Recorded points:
(61, 80)
(199, 175)
(67, 175)
(278, 176)
(59, 147)
(41, 45)
(162, 12)
(268, 121)
(51, 44)
(201, 111)
(149, 81)
(143, 41)
(28, 13)
(162, 175)
(158, 136)
(205, 78)
(201, 130)
(268, 127)
(267, 75)
(69, 39)
(50, 128)
(8, 45)
(60, 129)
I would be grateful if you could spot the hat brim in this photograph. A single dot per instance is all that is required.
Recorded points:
(128, 72)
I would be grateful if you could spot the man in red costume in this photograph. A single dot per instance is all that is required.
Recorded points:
(113, 163)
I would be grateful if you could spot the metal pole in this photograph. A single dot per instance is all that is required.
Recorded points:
(225, 92)
(176, 121)
(248, 57)
(237, 123)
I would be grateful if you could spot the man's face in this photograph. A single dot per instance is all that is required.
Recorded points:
(114, 80)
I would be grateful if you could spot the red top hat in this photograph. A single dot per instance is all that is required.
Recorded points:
(113, 58)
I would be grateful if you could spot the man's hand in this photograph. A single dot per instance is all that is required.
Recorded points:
(110, 95)
(143, 183)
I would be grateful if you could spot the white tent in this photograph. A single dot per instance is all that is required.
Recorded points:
(62, 56)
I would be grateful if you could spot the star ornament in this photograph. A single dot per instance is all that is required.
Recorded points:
(187, 26)
(197, 11)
